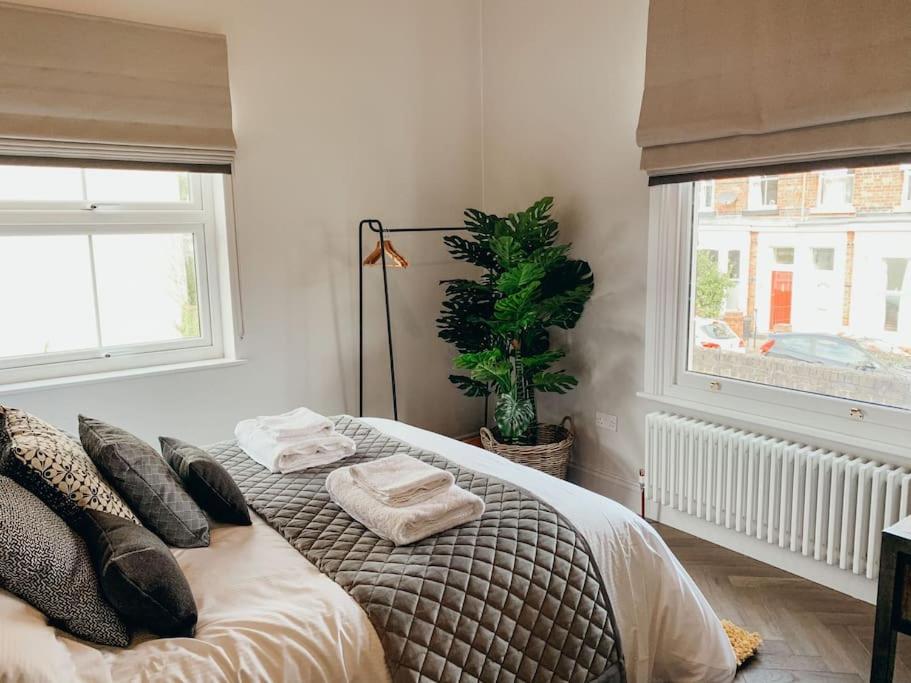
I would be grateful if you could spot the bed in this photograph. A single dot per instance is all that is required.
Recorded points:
(267, 614)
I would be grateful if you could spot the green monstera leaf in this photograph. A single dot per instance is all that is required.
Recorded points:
(557, 382)
(470, 387)
(514, 416)
(564, 292)
(475, 253)
(542, 361)
(508, 251)
(520, 277)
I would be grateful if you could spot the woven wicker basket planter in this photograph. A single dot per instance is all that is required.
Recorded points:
(550, 452)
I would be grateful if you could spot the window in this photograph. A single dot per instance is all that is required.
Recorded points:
(824, 259)
(763, 193)
(734, 264)
(706, 202)
(809, 354)
(784, 256)
(896, 270)
(836, 191)
(51, 187)
(105, 270)
(711, 255)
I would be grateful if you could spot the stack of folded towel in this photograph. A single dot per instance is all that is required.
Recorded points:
(402, 499)
(293, 441)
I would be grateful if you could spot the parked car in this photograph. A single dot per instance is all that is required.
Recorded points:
(878, 345)
(823, 349)
(717, 334)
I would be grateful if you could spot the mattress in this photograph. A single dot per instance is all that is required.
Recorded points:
(267, 614)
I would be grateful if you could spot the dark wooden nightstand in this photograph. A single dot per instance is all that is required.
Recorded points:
(893, 601)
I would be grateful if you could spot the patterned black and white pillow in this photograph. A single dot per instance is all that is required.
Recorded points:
(54, 467)
(44, 562)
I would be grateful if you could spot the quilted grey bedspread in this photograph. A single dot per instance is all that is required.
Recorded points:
(514, 596)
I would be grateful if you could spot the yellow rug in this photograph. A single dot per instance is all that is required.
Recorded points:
(744, 643)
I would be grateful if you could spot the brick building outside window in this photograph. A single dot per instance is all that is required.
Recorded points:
(837, 244)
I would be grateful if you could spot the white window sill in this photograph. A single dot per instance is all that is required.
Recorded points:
(799, 431)
(762, 210)
(117, 375)
(840, 209)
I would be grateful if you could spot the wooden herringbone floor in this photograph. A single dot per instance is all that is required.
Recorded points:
(811, 633)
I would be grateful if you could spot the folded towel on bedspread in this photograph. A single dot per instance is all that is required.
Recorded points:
(400, 480)
(291, 454)
(297, 423)
(403, 525)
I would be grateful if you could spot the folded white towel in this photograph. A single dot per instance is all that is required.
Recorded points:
(401, 480)
(290, 455)
(296, 423)
(403, 525)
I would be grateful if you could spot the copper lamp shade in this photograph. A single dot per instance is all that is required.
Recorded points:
(393, 258)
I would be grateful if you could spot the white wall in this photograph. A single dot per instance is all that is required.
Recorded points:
(342, 109)
(410, 111)
(562, 87)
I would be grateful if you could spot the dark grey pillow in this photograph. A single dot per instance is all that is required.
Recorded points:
(139, 575)
(206, 480)
(44, 562)
(146, 482)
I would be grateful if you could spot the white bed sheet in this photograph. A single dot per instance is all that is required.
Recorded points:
(267, 614)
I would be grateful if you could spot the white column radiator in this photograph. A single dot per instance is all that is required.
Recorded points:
(827, 505)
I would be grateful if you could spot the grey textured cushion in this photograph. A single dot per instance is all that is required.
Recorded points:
(208, 482)
(139, 575)
(514, 596)
(44, 562)
(50, 464)
(146, 482)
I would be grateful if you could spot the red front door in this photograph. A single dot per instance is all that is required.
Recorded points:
(782, 288)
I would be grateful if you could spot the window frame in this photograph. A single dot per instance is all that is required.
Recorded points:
(194, 204)
(735, 278)
(816, 251)
(707, 197)
(898, 294)
(755, 189)
(784, 248)
(829, 174)
(197, 217)
(668, 380)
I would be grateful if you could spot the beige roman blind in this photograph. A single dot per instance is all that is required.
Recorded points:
(732, 86)
(92, 90)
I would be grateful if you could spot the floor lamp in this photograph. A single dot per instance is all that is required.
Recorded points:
(385, 256)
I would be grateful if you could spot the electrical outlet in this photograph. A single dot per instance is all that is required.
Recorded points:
(605, 421)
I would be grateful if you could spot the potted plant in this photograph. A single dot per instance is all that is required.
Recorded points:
(499, 323)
